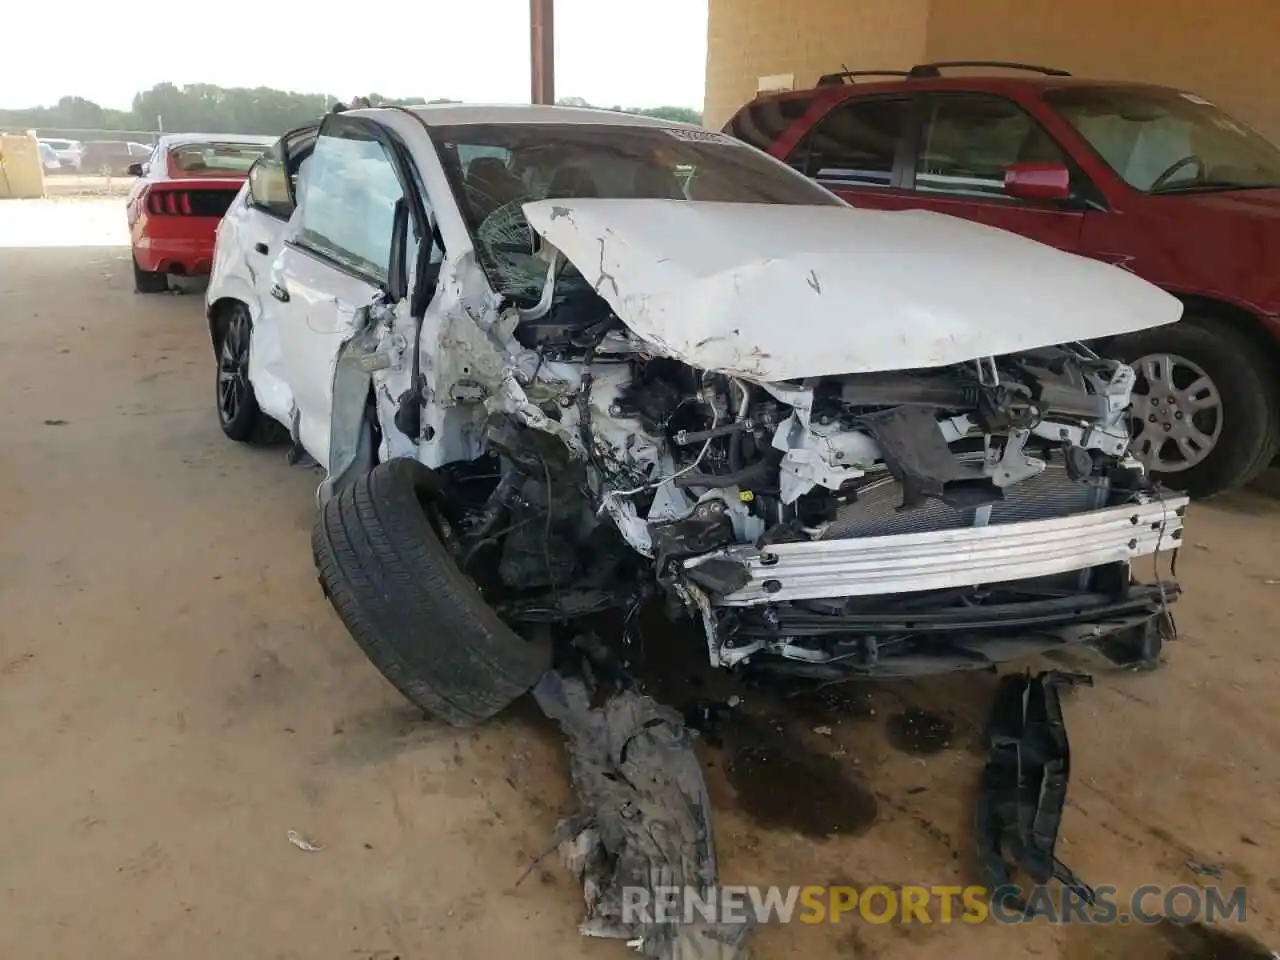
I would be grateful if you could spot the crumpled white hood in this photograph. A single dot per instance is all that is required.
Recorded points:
(773, 292)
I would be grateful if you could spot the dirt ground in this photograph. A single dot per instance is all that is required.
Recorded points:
(176, 696)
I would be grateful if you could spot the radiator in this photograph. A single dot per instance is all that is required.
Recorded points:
(1047, 495)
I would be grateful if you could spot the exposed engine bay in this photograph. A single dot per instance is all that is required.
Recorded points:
(880, 522)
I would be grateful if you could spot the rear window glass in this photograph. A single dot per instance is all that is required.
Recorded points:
(213, 159)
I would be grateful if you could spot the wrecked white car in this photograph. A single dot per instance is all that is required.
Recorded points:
(556, 362)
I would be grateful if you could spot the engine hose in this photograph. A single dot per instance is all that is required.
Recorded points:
(757, 471)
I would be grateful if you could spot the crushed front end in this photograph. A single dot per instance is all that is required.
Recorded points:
(889, 523)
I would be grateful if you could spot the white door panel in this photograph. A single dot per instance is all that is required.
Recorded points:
(312, 325)
(262, 241)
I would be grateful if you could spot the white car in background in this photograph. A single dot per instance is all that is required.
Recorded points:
(67, 151)
(48, 159)
(555, 361)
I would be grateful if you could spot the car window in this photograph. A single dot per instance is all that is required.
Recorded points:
(968, 142)
(298, 146)
(854, 145)
(761, 123)
(214, 159)
(1168, 141)
(347, 192)
(269, 184)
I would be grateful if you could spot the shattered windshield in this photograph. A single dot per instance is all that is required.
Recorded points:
(494, 169)
(1163, 141)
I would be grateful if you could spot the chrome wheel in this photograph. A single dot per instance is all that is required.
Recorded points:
(1176, 413)
(233, 368)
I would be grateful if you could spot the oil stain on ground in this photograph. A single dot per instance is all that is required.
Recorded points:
(920, 732)
(1165, 940)
(783, 784)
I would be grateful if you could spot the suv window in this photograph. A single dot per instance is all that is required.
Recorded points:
(968, 141)
(854, 145)
(348, 191)
(763, 122)
(269, 183)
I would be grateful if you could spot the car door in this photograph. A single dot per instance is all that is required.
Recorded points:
(270, 202)
(962, 145)
(335, 260)
(859, 151)
(253, 231)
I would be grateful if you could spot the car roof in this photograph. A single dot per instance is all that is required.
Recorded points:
(171, 140)
(446, 114)
(959, 83)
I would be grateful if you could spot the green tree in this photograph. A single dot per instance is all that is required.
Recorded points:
(207, 108)
(677, 114)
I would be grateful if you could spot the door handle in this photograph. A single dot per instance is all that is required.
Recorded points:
(260, 247)
(280, 293)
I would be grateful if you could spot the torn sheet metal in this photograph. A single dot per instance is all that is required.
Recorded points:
(645, 817)
(1024, 787)
(778, 292)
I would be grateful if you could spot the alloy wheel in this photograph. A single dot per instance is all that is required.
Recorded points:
(1176, 413)
(233, 368)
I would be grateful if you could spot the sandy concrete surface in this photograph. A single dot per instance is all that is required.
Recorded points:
(176, 695)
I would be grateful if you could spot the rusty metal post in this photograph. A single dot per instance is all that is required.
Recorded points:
(542, 36)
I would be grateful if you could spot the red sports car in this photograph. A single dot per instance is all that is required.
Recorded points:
(183, 189)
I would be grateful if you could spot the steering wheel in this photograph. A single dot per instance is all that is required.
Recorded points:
(1165, 177)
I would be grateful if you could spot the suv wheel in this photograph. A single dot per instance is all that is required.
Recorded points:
(1206, 415)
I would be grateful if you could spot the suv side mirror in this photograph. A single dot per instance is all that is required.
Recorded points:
(1038, 181)
(134, 170)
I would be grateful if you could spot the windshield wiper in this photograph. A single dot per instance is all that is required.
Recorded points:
(1206, 186)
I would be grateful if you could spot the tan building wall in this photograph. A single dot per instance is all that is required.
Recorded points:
(748, 39)
(1228, 52)
(21, 172)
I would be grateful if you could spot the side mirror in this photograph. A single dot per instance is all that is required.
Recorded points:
(1038, 181)
(134, 170)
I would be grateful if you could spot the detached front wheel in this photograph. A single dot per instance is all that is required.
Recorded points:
(414, 613)
(1205, 413)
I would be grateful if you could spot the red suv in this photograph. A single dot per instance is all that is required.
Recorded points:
(1154, 180)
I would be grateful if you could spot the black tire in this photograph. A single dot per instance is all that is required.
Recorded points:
(416, 616)
(1250, 405)
(238, 412)
(148, 281)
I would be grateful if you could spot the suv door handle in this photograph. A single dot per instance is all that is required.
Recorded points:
(260, 247)
(280, 293)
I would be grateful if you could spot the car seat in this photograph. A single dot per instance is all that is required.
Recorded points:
(572, 181)
(657, 183)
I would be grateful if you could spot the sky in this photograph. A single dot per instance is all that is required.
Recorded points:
(634, 53)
